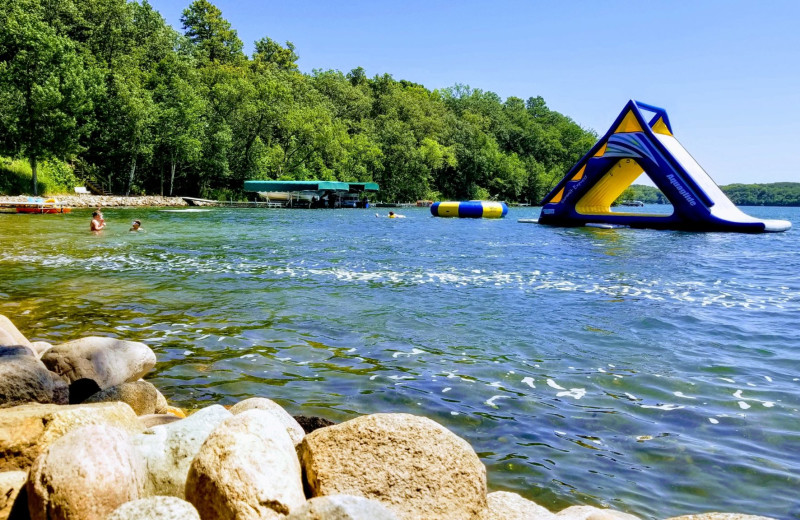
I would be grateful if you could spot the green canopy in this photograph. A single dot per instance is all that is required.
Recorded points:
(357, 187)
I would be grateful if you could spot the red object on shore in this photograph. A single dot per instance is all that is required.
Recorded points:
(47, 206)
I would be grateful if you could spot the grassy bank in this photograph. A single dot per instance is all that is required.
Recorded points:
(54, 178)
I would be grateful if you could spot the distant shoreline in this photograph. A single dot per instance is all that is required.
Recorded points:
(102, 201)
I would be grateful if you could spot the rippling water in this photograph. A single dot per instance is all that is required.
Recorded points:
(654, 372)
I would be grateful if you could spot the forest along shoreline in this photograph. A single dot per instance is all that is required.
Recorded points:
(84, 435)
(101, 201)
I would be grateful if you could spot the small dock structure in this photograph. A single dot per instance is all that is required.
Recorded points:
(313, 194)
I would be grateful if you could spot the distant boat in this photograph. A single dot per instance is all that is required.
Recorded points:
(39, 205)
(637, 203)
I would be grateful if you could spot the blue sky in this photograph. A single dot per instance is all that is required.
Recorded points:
(728, 72)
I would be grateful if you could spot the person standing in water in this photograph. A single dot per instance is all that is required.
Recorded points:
(98, 222)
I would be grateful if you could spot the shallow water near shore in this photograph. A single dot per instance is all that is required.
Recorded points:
(654, 372)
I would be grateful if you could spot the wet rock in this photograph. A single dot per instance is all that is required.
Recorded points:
(592, 513)
(413, 465)
(309, 423)
(13, 498)
(168, 449)
(503, 505)
(341, 507)
(24, 379)
(140, 395)
(86, 474)
(155, 508)
(294, 430)
(246, 469)
(26, 431)
(157, 419)
(16, 350)
(108, 361)
(10, 334)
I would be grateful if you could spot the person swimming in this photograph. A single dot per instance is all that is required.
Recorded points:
(98, 222)
(136, 226)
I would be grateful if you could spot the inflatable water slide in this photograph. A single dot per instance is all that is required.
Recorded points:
(632, 146)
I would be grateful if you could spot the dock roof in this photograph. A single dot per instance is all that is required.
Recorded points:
(309, 186)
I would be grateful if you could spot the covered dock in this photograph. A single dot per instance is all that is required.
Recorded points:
(313, 194)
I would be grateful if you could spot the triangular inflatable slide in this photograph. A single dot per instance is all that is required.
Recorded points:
(632, 146)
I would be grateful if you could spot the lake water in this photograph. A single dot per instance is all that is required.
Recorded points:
(654, 372)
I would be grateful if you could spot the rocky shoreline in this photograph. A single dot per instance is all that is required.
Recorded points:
(102, 201)
(84, 436)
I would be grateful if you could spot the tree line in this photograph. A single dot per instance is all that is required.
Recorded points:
(131, 104)
(770, 194)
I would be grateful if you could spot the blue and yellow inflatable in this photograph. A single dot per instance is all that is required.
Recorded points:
(469, 209)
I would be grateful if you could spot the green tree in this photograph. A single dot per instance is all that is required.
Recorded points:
(45, 89)
(212, 35)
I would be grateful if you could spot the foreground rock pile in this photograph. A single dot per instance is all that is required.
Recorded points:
(82, 436)
(105, 201)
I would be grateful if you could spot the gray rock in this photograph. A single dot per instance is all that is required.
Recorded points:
(155, 508)
(168, 449)
(24, 379)
(16, 350)
(107, 361)
(247, 469)
(10, 335)
(341, 507)
(503, 505)
(294, 430)
(13, 499)
(86, 474)
(158, 419)
(140, 395)
(412, 465)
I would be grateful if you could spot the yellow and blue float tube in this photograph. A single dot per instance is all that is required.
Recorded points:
(469, 209)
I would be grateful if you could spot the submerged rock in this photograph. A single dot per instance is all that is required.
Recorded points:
(592, 513)
(107, 361)
(246, 469)
(309, 423)
(413, 465)
(86, 474)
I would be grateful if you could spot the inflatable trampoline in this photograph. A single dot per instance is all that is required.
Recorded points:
(469, 209)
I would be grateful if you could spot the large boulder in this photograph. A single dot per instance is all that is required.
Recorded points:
(24, 379)
(10, 335)
(26, 431)
(168, 449)
(13, 504)
(411, 464)
(294, 430)
(341, 507)
(140, 395)
(246, 469)
(85, 475)
(502, 505)
(16, 350)
(155, 508)
(592, 513)
(107, 361)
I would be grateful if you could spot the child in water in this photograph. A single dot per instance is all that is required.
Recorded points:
(136, 226)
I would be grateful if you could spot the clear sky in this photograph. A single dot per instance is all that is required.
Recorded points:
(728, 72)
